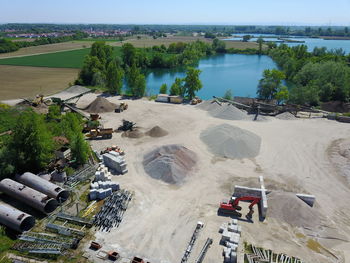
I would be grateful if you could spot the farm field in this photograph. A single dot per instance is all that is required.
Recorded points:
(64, 59)
(28, 51)
(22, 82)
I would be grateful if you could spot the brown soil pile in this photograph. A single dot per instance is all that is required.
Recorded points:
(135, 134)
(100, 105)
(289, 208)
(170, 163)
(157, 131)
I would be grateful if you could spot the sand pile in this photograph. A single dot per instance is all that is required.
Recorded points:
(135, 134)
(223, 110)
(289, 208)
(100, 105)
(157, 131)
(231, 142)
(170, 163)
(286, 116)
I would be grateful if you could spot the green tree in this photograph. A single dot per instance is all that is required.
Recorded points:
(129, 54)
(163, 89)
(192, 82)
(246, 38)
(54, 112)
(228, 95)
(31, 145)
(260, 41)
(80, 149)
(177, 88)
(219, 46)
(140, 86)
(114, 78)
(270, 84)
(91, 66)
(282, 94)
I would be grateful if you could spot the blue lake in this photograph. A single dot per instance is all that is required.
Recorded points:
(240, 73)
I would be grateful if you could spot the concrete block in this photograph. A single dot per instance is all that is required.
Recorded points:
(233, 257)
(308, 199)
(234, 221)
(234, 228)
(93, 194)
(234, 239)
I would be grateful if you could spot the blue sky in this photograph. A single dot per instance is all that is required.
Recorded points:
(283, 12)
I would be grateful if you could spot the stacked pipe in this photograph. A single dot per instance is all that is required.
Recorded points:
(15, 219)
(43, 186)
(111, 214)
(28, 196)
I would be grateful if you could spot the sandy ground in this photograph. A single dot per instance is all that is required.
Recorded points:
(31, 81)
(162, 217)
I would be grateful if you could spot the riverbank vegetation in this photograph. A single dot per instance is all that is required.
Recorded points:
(314, 77)
(34, 137)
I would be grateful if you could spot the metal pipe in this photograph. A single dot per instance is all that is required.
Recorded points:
(43, 186)
(28, 196)
(15, 219)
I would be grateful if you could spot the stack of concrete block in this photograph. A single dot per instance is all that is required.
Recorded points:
(115, 162)
(231, 234)
(100, 190)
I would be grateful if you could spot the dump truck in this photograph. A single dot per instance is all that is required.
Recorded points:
(100, 133)
(121, 107)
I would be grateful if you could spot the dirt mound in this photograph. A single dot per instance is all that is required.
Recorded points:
(157, 131)
(286, 116)
(100, 105)
(170, 163)
(223, 110)
(231, 142)
(289, 208)
(135, 134)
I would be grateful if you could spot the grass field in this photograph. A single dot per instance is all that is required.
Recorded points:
(64, 59)
(22, 82)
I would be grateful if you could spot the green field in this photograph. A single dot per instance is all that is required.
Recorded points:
(64, 59)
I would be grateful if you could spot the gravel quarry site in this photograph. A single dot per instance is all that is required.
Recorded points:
(188, 160)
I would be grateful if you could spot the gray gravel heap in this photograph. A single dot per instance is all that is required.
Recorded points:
(231, 142)
(170, 163)
(223, 110)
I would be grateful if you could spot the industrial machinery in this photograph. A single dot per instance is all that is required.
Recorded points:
(127, 126)
(121, 107)
(100, 133)
(231, 207)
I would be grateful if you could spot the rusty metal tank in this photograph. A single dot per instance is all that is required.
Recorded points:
(43, 186)
(15, 219)
(28, 196)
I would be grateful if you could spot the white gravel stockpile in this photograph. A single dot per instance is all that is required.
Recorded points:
(223, 110)
(286, 116)
(170, 163)
(231, 142)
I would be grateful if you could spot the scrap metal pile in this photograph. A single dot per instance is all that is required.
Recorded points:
(111, 214)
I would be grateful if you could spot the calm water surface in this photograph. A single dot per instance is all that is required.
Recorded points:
(240, 73)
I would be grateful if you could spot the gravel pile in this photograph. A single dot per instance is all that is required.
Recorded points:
(289, 208)
(170, 163)
(223, 110)
(100, 105)
(157, 131)
(231, 142)
(135, 134)
(286, 116)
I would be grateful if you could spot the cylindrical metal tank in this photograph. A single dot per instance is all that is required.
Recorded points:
(43, 186)
(15, 219)
(28, 196)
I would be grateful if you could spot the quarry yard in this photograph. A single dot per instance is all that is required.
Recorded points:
(296, 156)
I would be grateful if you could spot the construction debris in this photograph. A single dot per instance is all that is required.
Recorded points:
(112, 211)
(194, 237)
(261, 255)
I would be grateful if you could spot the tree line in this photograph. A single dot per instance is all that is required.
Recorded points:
(104, 69)
(7, 46)
(31, 145)
(313, 77)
